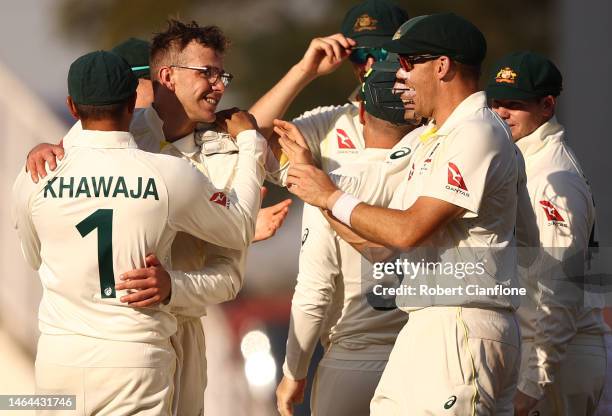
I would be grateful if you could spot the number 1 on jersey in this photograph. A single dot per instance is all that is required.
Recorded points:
(102, 220)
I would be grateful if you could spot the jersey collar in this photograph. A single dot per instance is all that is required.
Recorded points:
(186, 145)
(533, 142)
(104, 140)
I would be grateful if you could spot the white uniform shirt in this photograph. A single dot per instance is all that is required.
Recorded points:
(216, 273)
(333, 134)
(329, 300)
(209, 274)
(562, 202)
(107, 206)
(471, 162)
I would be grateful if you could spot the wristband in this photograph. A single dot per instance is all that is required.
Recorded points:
(343, 208)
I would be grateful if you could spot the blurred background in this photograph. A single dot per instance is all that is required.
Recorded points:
(246, 338)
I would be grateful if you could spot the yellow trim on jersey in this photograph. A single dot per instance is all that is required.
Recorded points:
(429, 133)
(163, 144)
(283, 159)
(467, 346)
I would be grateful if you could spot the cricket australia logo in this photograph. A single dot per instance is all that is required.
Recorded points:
(455, 180)
(344, 141)
(220, 198)
(365, 22)
(506, 75)
(552, 214)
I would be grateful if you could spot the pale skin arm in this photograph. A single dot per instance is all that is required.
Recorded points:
(323, 56)
(288, 393)
(379, 225)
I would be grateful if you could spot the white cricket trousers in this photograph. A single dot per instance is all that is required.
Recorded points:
(107, 377)
(190, 376)
(579, 379)
(451, 361)
(346, 379)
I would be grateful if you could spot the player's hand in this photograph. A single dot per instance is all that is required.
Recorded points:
(523, 403)
(234, 121)
(325, 55)
(292, 142)
(152, 284)
(44, 152)
(270, 219)
(288, 393)
(310, 184)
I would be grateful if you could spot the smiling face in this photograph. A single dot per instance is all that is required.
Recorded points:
(524, 116)
(420, 77)
(407, 95)
(196, 94)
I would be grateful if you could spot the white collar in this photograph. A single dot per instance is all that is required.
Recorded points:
(103, 140)
(533, 142)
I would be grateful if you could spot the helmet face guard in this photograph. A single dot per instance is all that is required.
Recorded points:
(383, 101)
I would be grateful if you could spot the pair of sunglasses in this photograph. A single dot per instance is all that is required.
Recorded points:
(360, 55)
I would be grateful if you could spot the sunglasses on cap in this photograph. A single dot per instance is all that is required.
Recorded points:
(360, 55)
(408, 61)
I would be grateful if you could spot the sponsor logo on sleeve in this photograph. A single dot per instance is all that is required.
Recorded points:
(344, 141)
(220, 198)
(552, 214)
(305, 235)
(455, 180)
(404, 151)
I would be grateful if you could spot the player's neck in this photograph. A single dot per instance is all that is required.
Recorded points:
(176, 124)
(383, 135)
(106, 125)
(450, 98)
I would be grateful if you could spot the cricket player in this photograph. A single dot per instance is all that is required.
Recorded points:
(185, 95)
(330, 297)
(98, 214)
(457, 354)
(563, 365)
(136, 53)
(338, 130)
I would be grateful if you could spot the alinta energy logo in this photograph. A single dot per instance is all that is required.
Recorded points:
(344, 141)
(220, 198)
(552, 214)
(455, 180)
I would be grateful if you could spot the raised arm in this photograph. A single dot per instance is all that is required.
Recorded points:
(323, 56)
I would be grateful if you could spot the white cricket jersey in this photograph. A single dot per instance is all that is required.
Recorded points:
(333, 134)
(469, 161)
(330, 296)
(215, 274)
(107, 206)
(209, 274)
(562, 202)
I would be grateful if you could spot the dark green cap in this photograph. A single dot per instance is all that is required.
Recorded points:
(136, 52)
(101, 78)
(440, 34)
(378, 97)
(522, 76)
(373, 22)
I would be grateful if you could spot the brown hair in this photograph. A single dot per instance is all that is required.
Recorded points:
(167, 46)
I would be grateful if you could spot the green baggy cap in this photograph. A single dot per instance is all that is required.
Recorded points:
(440, 34)
(373, 22)
(101, 78)
(136, 53)
(522, 76)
